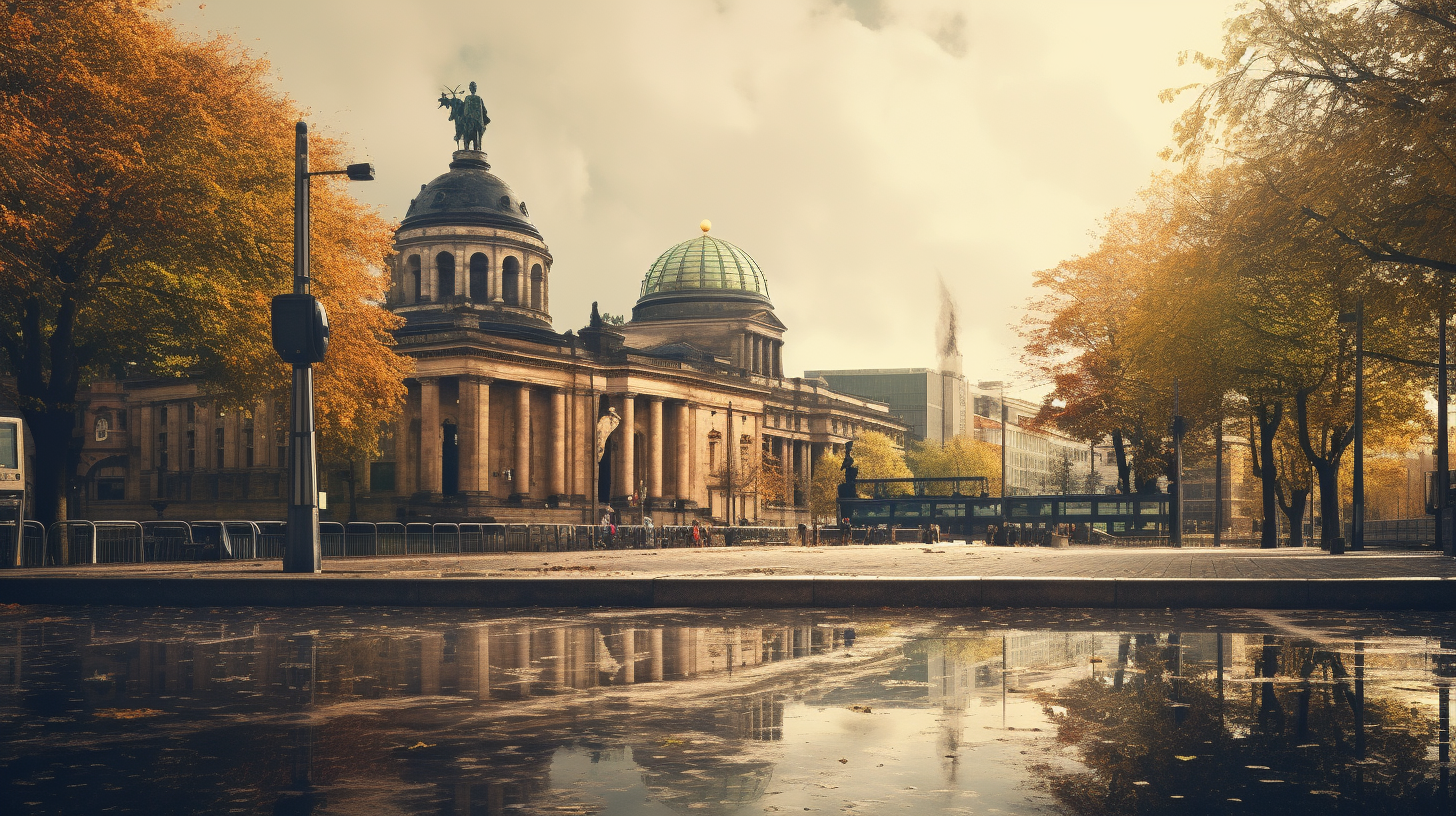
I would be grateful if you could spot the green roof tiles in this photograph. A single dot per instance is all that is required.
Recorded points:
(704, 263)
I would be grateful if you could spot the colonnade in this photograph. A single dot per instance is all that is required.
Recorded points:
(759, 354)
(568, 445)
(503, 277)
(796, 457)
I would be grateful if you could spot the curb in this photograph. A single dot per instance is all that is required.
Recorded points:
(742, 592)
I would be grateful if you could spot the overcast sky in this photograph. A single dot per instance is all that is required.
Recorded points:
(855, 148)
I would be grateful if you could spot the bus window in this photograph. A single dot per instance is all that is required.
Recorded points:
(9, 445)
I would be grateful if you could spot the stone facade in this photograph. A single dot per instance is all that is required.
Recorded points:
(500, 415)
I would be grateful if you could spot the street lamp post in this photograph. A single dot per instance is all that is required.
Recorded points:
(301, 337)
(1357, 512)
(1443, 460)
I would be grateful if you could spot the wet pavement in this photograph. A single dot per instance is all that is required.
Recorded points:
(428, 711)
(939, 560)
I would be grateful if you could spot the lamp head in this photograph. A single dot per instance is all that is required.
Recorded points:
(360, 172)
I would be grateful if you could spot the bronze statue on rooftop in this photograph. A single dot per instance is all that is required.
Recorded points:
(468, 114)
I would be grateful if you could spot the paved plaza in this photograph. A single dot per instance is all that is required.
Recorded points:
(907, 560)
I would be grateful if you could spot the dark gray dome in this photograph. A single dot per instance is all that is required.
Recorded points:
(468, 195)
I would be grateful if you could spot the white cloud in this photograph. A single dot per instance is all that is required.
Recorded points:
(855, 149)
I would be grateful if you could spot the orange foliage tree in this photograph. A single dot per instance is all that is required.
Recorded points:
(145, 214)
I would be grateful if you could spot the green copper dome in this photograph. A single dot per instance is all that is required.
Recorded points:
(707, 266)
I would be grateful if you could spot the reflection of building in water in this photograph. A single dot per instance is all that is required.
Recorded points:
(242, 669)
(478, 660)
(956, 668)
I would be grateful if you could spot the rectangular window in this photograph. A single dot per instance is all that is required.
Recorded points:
(121, 420)
(111, 488)
(10, 445)
(217, 442)
(247, 447)
(381, 476)
(281, 440)
(162, 449)
(162, 415)
(191, 449)
(191, 412)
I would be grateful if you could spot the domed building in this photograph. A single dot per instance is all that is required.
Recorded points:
(501, 415)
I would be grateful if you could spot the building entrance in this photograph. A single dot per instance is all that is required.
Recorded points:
(604, 470)
(450, 460)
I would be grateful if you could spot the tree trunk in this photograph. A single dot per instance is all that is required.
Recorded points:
(1124, 470)
(1329, 503)
(1326, 466)
(54, 459)
(1269, 417)
(1294, 512)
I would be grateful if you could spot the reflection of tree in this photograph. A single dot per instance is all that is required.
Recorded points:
(1289, 747)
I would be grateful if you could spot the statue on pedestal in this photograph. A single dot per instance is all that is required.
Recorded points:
(848, 489)
(468, 114)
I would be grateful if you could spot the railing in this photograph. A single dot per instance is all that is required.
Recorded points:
(1411, 532)
(116, 542)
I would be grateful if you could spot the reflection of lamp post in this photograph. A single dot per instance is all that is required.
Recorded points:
(301, 337)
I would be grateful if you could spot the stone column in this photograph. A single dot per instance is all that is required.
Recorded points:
(401, 453)
(626, 448)
(475, 434)
(430, 434)
(522, 471)
(788, 466)
(684, 488)
(654, 448)
(558, 442)
(495, 279)
(582, 442)
(427, 275)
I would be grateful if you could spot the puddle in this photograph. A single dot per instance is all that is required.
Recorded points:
(674, 712)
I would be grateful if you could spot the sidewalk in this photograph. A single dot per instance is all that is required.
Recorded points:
(903, 560)
(946, 575)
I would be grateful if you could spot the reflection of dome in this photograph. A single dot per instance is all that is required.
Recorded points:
(468, 195)
(703, 275)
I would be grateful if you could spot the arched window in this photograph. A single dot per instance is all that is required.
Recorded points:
(412, 280)
(479, 278)
(537, 285)
(510, 280)
(445, 269)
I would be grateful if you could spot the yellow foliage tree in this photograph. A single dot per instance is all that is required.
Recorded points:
(959, 456)
(145, 217)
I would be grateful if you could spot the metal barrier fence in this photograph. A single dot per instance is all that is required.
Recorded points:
(1409, 533)
(116, 542)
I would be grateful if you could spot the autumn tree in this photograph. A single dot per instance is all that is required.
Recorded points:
(145, 214)
(959, 456)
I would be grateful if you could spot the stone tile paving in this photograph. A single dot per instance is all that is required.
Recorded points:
(901, 560)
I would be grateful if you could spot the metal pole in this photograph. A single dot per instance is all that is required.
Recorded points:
(1218, 486)
(1001, 530)
(1357, 516)
(730, 451)
(1443, 464)
(301, 552)
(1176, 539)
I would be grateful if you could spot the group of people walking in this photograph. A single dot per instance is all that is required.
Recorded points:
(701, 532)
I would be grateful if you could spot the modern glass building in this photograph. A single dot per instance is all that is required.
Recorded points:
(934, 404)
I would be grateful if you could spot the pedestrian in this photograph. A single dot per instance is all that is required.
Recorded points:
(697, 534)
(606, 529)
(647, 531)
(803, 534)
(844, 530)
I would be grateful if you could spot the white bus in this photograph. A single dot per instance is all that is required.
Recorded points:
(12, 479)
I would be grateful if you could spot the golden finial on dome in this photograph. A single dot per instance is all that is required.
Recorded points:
(705, 225)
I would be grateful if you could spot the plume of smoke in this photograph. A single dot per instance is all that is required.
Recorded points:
(948, 353)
